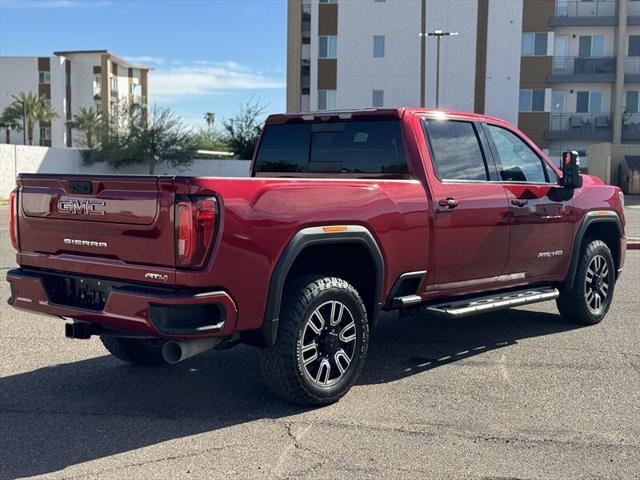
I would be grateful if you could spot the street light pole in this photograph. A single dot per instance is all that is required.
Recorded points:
(439, 34)
(24, 122)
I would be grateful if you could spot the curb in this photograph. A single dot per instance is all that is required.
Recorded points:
(633, 244)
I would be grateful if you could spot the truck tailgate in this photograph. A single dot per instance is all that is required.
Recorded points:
(122, 221)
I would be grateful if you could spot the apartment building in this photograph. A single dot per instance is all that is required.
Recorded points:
(566, 71)
(95, 79)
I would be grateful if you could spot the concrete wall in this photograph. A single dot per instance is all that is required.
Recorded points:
(605, 160)
(15, 159)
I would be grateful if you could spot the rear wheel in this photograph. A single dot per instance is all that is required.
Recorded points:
(135, 350)
(321, 344)
(590, 298)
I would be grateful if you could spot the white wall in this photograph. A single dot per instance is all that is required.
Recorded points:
(504, 37)
(15, 159)
(457, 54)
(359, 73)
(17, 74)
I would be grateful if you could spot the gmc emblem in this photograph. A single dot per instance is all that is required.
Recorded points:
(74, 206)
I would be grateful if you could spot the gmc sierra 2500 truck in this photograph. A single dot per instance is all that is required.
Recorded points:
(346, 214)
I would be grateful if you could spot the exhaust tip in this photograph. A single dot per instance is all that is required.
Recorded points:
(172, 352)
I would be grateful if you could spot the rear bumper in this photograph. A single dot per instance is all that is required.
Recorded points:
(133, 309)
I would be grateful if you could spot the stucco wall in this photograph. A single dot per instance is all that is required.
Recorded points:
(15, 159)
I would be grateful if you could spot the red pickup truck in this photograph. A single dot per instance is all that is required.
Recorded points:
(346, 214)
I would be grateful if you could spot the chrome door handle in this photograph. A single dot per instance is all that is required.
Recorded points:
(448, 202)
(519, 203)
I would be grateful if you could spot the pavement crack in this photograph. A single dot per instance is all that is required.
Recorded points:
(167, 458)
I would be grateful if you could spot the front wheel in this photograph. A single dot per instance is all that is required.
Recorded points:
(590, 298)
(321, 344)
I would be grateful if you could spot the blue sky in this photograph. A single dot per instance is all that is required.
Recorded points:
(208, 55)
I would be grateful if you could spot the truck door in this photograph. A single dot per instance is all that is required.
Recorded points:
(542, 226)
(471, 234)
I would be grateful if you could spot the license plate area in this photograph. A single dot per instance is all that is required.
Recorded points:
(79, 292)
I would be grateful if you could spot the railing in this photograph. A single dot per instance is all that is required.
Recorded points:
(584, 65)
(597, 8)
(97, 94)
(631, 126)
(580, 122)
(632, 65)
(138, 99)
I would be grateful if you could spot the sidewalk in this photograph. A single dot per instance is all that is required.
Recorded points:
(632, 215)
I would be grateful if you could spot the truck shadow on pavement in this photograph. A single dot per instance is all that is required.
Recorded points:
(73, 413)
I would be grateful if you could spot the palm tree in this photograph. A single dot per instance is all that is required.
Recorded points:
(88, 121)
(32, 109)
(210, 118)
(9, 122)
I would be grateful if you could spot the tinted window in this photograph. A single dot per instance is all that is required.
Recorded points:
(284, 148)
(455, 150)
(517, 162)
(371, 147)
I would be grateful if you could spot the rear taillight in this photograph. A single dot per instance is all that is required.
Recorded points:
(13, 218)
(196, 219)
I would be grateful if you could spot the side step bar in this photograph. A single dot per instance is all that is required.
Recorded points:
(493, 302)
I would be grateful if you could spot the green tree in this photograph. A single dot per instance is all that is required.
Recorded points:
(210, 118)
(131, 135)
(89, 122)
(9, 121)
(243, 130)
(33, 110)
(207, 139)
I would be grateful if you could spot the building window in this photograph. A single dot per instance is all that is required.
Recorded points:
(45, 133)
(591, 46)
(326, 100)
(589, 102)
(44, 77)
(378, 98)
(328, 47)
(534, 44)
(378, 46)
(531, 100)
(328, 1)
(634, 45)
(631, 105)
(558, 101)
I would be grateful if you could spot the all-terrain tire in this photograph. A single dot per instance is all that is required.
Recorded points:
(595, 274)
(286, 366)
(135, 351)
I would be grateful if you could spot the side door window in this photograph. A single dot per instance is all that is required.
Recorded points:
(455, 150)
(516, 161)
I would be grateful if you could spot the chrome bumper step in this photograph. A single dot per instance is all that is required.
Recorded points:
(493, 302)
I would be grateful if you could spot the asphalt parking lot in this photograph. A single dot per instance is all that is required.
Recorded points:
(516, 394)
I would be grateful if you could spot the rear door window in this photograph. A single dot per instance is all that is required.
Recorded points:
(455, 150)
(372, 147)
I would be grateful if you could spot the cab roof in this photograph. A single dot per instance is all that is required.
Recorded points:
(325, 115)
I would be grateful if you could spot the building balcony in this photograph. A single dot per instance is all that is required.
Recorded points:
(631, 127)
(97, 94)
(583, 70)
(579, 126)
(583, 13)
(138, 100)
(115, 95)
(632, 69)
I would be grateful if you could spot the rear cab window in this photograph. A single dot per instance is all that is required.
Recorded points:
(372, 148)
(456, 150)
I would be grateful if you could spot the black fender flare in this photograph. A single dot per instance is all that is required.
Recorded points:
(312, 236)
(596, 216)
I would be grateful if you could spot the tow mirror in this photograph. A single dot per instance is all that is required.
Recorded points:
(571, 177)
